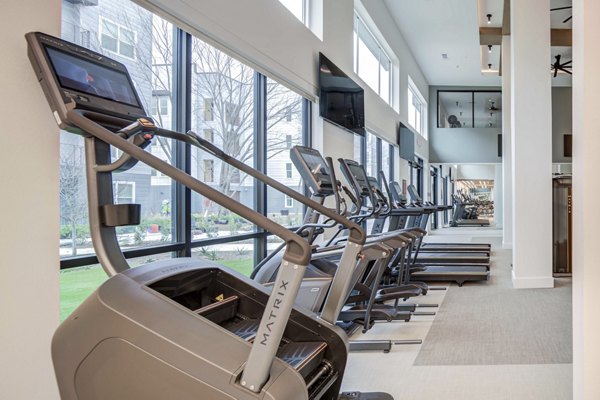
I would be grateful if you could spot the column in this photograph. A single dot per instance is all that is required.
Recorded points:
(531, 109)
(29, 172)
(586, 191)
(507, 227)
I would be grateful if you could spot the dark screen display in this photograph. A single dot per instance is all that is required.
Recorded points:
(85, 76)
(315, 163)
(341, 101)
(359, 175)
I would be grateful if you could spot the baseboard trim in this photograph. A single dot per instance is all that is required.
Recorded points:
(506, 245)
(534, 282)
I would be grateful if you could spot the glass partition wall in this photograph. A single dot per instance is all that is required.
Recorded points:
(469, 109)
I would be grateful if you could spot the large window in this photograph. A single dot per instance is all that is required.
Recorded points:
(417, 109)
(371, 62)
(250, 117)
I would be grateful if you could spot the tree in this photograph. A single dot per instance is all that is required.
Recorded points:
(72, 192)
(224, 90)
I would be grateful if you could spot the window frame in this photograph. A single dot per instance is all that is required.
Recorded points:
(368, 34)
(116, 184)
(412, 93)
(119, 27)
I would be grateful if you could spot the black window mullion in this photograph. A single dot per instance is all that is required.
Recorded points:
(306, 133)
(392, 158)
(182, 122)
(260, 158)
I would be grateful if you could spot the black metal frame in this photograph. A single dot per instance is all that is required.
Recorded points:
(181, 211)
(437, 117)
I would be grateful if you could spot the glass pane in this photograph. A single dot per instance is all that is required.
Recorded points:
(110, 29)
(109, 43)
(371, 164)
(222, 104)
(358, 144)
(127, 50)
(455, 110)
(151, 73)
(238, 256)
(76, 284)
(488, 109)
(284, 130)
(368, 65)
(385, 159)
(384, 76)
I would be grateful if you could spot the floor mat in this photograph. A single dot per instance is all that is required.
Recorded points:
(492, 323)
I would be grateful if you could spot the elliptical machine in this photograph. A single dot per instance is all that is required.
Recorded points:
(163, 330)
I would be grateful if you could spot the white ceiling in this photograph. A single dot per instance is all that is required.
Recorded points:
(434, 27)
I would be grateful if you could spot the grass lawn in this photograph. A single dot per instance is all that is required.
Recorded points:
(76, 284)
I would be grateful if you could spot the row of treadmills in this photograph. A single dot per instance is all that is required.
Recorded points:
(187, 328)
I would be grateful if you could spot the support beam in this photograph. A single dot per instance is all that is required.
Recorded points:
(493, 36)
(507, 220)
(531, 108)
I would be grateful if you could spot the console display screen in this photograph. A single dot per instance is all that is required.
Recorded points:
(316, 163)
(85, 76)
(359, 175)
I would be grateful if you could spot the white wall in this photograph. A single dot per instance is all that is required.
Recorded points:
(586, 189)
(29, 265)
(476, 171)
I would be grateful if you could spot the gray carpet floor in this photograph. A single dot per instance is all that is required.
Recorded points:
(493, 324)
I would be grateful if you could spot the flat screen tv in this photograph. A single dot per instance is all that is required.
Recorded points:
(341, 100)
(406, 143)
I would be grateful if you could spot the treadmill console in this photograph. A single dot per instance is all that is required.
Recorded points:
(313, 170)
(75, 77)
(414, 194)
(357, 174)
(396, 192)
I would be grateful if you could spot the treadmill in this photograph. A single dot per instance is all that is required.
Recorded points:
(410, 271)
(441, 257)
(400, 200)
(164, 330)
(460, 205)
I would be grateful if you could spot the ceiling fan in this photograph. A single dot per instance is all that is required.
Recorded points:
(563, 8)
(558, 66)
(493, 106)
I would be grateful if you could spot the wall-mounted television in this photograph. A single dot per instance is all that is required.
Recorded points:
(406, 143)
(341, 100)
